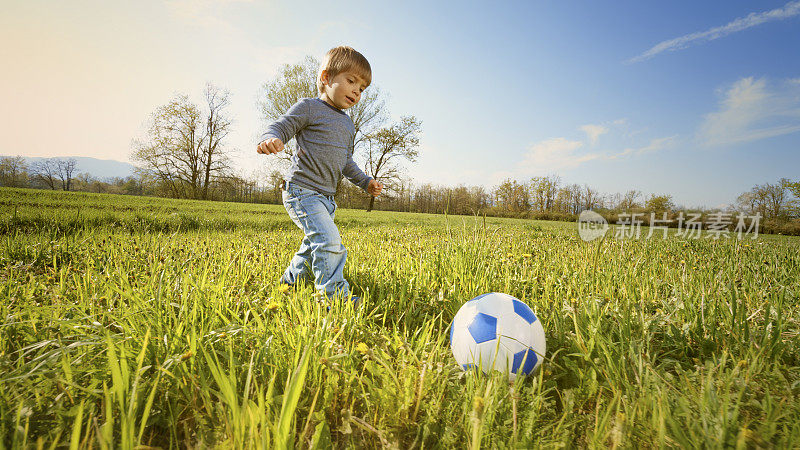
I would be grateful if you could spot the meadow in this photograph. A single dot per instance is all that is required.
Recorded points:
(142, 322)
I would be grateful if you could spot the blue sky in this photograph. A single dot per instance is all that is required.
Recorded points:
(700, 100)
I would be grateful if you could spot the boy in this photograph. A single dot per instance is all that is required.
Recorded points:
(325, 144)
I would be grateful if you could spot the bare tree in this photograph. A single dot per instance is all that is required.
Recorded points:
(214, 156)
(747, 202)
(46, 171)
(367, 115)
(591, 198)
(65, 169)
(184, 147)
(385, 146)
(774, 199)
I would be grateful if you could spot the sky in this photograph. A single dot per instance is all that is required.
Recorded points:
(698, 100)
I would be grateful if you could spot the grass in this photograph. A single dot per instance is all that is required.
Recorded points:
(151, 322)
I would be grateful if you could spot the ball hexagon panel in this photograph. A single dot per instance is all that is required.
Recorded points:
(525, 360)
(483, 328)
(523, 311)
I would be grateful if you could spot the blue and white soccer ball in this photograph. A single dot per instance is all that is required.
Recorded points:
(497, 331)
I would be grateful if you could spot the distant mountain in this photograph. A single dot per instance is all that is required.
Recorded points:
(98, 168)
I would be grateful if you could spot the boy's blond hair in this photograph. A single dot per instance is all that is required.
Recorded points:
(343, 59)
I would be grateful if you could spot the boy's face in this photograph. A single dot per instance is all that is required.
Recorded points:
(342, 91)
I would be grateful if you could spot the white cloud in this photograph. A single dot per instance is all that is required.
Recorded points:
(654, 146)
(791, 9)
(752, 110)
(554, 153)
(593, 132)
(560, 153)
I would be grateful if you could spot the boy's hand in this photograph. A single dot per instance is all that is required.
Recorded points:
(270, 146)
(374, 188)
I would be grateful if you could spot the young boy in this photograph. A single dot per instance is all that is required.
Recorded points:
(325, 144)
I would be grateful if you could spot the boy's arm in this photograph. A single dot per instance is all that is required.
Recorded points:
(287, 125)
(355, 174)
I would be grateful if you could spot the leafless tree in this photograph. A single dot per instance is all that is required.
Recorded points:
(387, 145)
(65, 170)
(46, 171)
(217, 126)
(773, 199)
(591, 198)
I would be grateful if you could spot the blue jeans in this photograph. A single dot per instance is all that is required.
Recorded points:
(321, 251)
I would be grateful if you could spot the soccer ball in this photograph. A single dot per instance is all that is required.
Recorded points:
(497, 331)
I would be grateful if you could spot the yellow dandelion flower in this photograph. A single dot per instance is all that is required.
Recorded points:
(362, 348)
(526, 255)
(284, 288)
(272, 306)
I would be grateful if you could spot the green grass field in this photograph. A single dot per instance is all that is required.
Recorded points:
(152, 322)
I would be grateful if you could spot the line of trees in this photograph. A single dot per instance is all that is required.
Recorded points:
(50, 173)
(184, 154)
(778, 204)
